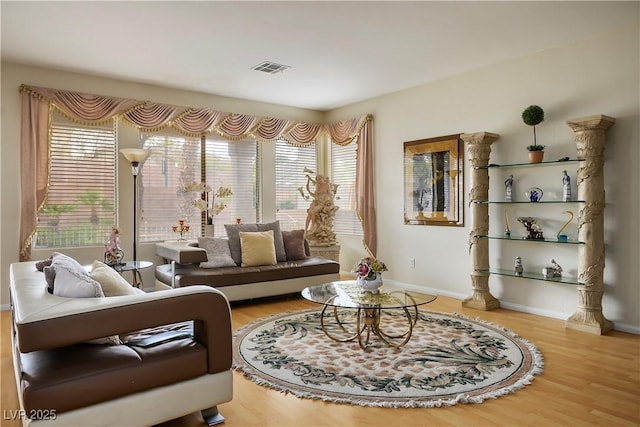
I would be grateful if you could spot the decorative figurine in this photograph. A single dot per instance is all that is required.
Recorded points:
(557, 270)
(507, 232)
(552, 271)
(563, 237)
(534, 232)
(318, 227)
(566, 187)
(518, 266)
(508, 185)
(534, 194)
(113, 254)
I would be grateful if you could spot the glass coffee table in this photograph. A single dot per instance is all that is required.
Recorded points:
(390, 315)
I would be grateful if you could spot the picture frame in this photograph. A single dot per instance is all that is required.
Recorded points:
(434, 181)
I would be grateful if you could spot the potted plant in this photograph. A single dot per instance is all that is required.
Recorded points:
(532, 116)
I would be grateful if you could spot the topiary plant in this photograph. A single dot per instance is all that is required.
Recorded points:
(533, 115)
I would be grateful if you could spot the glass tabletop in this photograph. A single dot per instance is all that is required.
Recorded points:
(347, 294)
(133, 265)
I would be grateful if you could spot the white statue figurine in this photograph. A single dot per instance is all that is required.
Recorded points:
(518, 266)
(566, 187)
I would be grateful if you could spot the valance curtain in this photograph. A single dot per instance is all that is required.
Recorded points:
(88, 109)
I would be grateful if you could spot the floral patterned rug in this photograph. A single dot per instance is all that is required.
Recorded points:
(450, 359)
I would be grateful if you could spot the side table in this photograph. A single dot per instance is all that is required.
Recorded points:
(134, 267)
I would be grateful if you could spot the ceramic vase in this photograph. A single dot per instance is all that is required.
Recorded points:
(372, 286)
(209, 230)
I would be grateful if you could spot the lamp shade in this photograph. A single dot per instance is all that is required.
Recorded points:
(135, 155)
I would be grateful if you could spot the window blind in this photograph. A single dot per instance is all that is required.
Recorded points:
(81, 205)
(291, 207)
(343, 173)
(173, 163)
(234, 165)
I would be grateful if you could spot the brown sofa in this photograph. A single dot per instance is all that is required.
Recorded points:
(237, 282)
(174, 359)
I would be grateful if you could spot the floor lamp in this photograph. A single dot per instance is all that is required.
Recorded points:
(135, 156)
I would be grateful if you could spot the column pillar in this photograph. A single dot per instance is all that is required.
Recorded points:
(590, 137)
(478, 151)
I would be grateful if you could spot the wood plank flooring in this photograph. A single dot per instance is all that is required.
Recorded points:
(587, 380)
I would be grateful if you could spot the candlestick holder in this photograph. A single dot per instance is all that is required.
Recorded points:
(181, 228)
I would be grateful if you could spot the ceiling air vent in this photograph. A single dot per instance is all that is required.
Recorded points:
(270, 67)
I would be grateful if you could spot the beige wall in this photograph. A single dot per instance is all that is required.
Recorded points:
(599, 76)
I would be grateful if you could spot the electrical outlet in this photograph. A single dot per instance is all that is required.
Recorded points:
(412, 262)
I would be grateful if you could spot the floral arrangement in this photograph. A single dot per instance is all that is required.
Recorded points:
(368, 267)
(222, 193)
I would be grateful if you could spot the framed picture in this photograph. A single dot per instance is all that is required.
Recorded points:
(433, 181)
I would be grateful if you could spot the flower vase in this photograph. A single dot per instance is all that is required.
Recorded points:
(372, 285)
(209, 230)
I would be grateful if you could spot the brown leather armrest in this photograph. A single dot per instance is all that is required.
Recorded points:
(209, 311)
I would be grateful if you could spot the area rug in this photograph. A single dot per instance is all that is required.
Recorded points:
(450, 359)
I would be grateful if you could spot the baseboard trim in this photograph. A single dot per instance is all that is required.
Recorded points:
(617, 326)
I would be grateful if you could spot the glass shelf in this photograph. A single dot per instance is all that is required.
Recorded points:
(518, 165)
(522, 239)
(542, 202)
(529, 275)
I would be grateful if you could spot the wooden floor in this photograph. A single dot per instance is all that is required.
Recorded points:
(587, 380)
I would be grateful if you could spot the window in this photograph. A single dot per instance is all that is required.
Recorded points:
(291, 161)
(175, 162)
(343, 173)
(235, 165)
(81, 205)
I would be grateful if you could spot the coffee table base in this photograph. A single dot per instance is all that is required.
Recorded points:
(368, 322)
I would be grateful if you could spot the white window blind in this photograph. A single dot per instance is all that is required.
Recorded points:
(343, 173)
(81, 205)
(291, 207)
(234, 165)
(172, 163)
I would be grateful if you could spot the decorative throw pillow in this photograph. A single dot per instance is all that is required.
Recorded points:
(111, 282)
(257, 248)
(294, 244)
(58, 259)
(233, 233)
(40, 265)
(218, 252)
(277, 238)
(72, 284)
(50, 277)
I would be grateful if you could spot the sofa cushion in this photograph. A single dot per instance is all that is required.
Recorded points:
(218, 252)
(257, 248)
(294, 244)
(112, 283)
(72, 284)
(67, 378)
(186, 275)
(233, 231)
(233, 234)
(277, 238)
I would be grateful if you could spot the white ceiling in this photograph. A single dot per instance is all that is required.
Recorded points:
(340, 52)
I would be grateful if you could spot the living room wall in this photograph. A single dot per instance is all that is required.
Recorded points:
(597, 76)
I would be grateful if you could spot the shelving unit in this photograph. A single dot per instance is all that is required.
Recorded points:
(590, 137)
